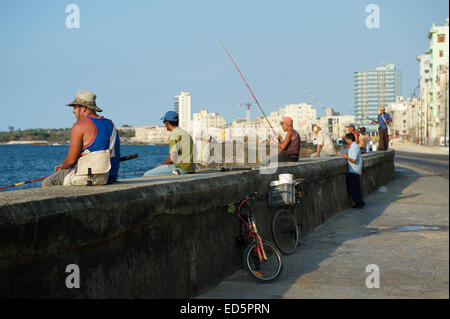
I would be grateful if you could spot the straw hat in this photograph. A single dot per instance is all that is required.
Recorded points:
(87, 99)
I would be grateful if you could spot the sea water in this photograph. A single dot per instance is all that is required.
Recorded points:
(19, 163)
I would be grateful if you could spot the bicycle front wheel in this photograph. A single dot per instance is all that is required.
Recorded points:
(285, 231)
(266, 270)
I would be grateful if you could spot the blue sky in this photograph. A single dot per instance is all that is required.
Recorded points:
(137, 55)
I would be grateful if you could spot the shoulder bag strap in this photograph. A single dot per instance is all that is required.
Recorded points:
(112, 141)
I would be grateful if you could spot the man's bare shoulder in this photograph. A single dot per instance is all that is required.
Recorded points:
(82, 123)
(82, 126)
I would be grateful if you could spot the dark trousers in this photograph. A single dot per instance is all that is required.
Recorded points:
(283, 157)
(383, 142)
(354, 188)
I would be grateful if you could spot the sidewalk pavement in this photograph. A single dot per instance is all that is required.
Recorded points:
(407, 146)
(403, 231)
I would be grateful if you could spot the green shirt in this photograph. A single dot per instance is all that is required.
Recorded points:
(181, 149)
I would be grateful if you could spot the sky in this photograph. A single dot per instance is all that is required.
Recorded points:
(137, 55)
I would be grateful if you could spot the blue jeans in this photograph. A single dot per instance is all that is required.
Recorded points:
(163, 170)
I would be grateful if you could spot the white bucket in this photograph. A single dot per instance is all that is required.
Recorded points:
(286, 178)
(374, 148)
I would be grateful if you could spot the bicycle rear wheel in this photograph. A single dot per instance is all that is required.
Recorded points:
(285, 231)
(263, 271)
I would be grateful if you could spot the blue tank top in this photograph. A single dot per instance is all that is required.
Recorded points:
(100, 142)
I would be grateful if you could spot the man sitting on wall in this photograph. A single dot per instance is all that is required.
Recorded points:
(181, 150)
(94, 145)
(325, 145)
(290, 147)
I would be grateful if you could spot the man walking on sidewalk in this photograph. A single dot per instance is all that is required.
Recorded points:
(353, 156)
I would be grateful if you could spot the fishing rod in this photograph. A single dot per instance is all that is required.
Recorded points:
(23, 183)
(251, 92)
(122, 159)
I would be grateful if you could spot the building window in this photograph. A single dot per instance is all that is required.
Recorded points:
(441, 38)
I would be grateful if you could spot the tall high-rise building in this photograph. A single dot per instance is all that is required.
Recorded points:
(183, 106)
(374, 89)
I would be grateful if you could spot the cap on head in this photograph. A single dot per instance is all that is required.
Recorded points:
(170, 116)
(317, 128)
(287, 120)
(87, 99)
(351, 125)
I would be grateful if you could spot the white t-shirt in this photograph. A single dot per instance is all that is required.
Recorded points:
(327, 143)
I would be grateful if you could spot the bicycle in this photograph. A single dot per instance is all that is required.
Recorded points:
(286, 226)
(262, 260)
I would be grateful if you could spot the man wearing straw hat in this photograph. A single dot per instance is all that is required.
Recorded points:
(94, 147)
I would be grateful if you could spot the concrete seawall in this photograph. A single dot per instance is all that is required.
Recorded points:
(167, 237)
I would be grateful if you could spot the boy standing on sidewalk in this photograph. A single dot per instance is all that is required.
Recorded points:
(353, 156)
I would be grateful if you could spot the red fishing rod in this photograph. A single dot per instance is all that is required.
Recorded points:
(251, 92)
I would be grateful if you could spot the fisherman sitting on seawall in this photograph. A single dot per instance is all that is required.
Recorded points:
(290, 147)
(94, 147)
(181, 150)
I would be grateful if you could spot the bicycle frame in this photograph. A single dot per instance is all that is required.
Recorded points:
(253, 234)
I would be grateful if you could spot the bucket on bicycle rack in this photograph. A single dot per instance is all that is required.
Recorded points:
(281, 194)
(286, 178)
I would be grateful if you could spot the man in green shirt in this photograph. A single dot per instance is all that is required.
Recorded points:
(181, 150)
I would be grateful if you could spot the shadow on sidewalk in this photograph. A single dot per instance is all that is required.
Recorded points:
(318, 248)
(320, 244)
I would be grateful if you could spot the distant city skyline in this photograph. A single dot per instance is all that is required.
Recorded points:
(137, 57)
